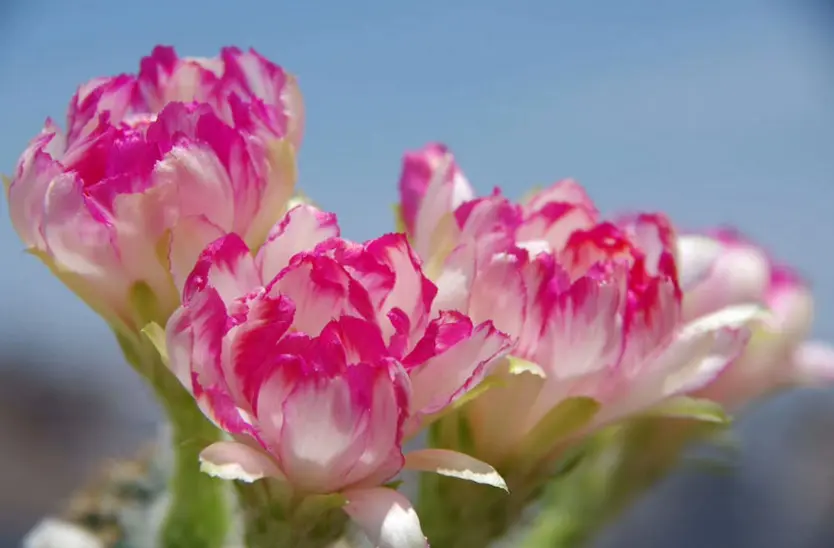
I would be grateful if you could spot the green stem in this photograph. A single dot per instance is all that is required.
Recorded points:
(272, 517)
(198, 513)
(620, 465)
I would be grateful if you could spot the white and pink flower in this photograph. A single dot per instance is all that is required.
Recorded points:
(151, 169)
(779, 354)
(595, 307)
(320, 356)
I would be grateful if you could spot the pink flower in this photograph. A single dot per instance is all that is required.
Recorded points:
(245, 89)
(778, 354)
(319, 356)
(121, 206)
(594, 306)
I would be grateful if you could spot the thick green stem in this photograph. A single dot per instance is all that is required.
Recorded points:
(272, 517)
(198, 513)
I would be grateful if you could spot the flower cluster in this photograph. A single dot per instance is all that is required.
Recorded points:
(303, 361)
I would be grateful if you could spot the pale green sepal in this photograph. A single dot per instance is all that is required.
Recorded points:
(685, 407)
(156, 335)
(517, 366)
(399, 222)
(565, 419)
(144, 304)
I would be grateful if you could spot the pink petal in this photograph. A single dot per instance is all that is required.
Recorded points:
(338, 430)
(231, 460)
(603, 243)
(700, 351)
(386, 517)
(740, 274)
(565, 191)
(654, 235)
(813, 363)
(115, 96)
(792, 304)
(251, 348)
(458, 365)
(582, 339)
(432, 187)
(180, 345)
(412, 292)
(696, 256)
(554, 223)
(35, 171)
(275, 197)
(301, 229)
(499, 294)
(206, 164)
(189, 238)
(322, 290)
(226, 266)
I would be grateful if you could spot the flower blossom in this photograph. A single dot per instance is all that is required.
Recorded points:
(319, 356)
(151, 168)
(594, 307)
(778, 354)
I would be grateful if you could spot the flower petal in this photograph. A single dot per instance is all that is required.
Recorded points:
(231, 460)
(188, 239)
(455, 465)
(333, 426)
(696, 255)
(226, 266)
(301, 229)
(460, 363)
(813, 363)
(386, 517)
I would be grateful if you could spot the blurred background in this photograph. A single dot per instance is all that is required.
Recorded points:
(716, 111)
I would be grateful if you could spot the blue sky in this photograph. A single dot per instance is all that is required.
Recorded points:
(714, 111)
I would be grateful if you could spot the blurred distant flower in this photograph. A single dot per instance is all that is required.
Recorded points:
(152, 168)
(778, 354)
(319, 355)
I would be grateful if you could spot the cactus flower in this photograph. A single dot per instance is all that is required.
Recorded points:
(319, 356)
(594, 307)
(153, 167)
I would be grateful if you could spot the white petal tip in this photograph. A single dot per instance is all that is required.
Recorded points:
(455, 465)
(229, 471)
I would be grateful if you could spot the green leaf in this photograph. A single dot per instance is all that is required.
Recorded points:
(699, 409)
(7, 183)
(567, 418)
(156, 335)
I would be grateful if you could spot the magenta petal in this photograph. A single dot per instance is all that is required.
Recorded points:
(226, 266)
(458, 367)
